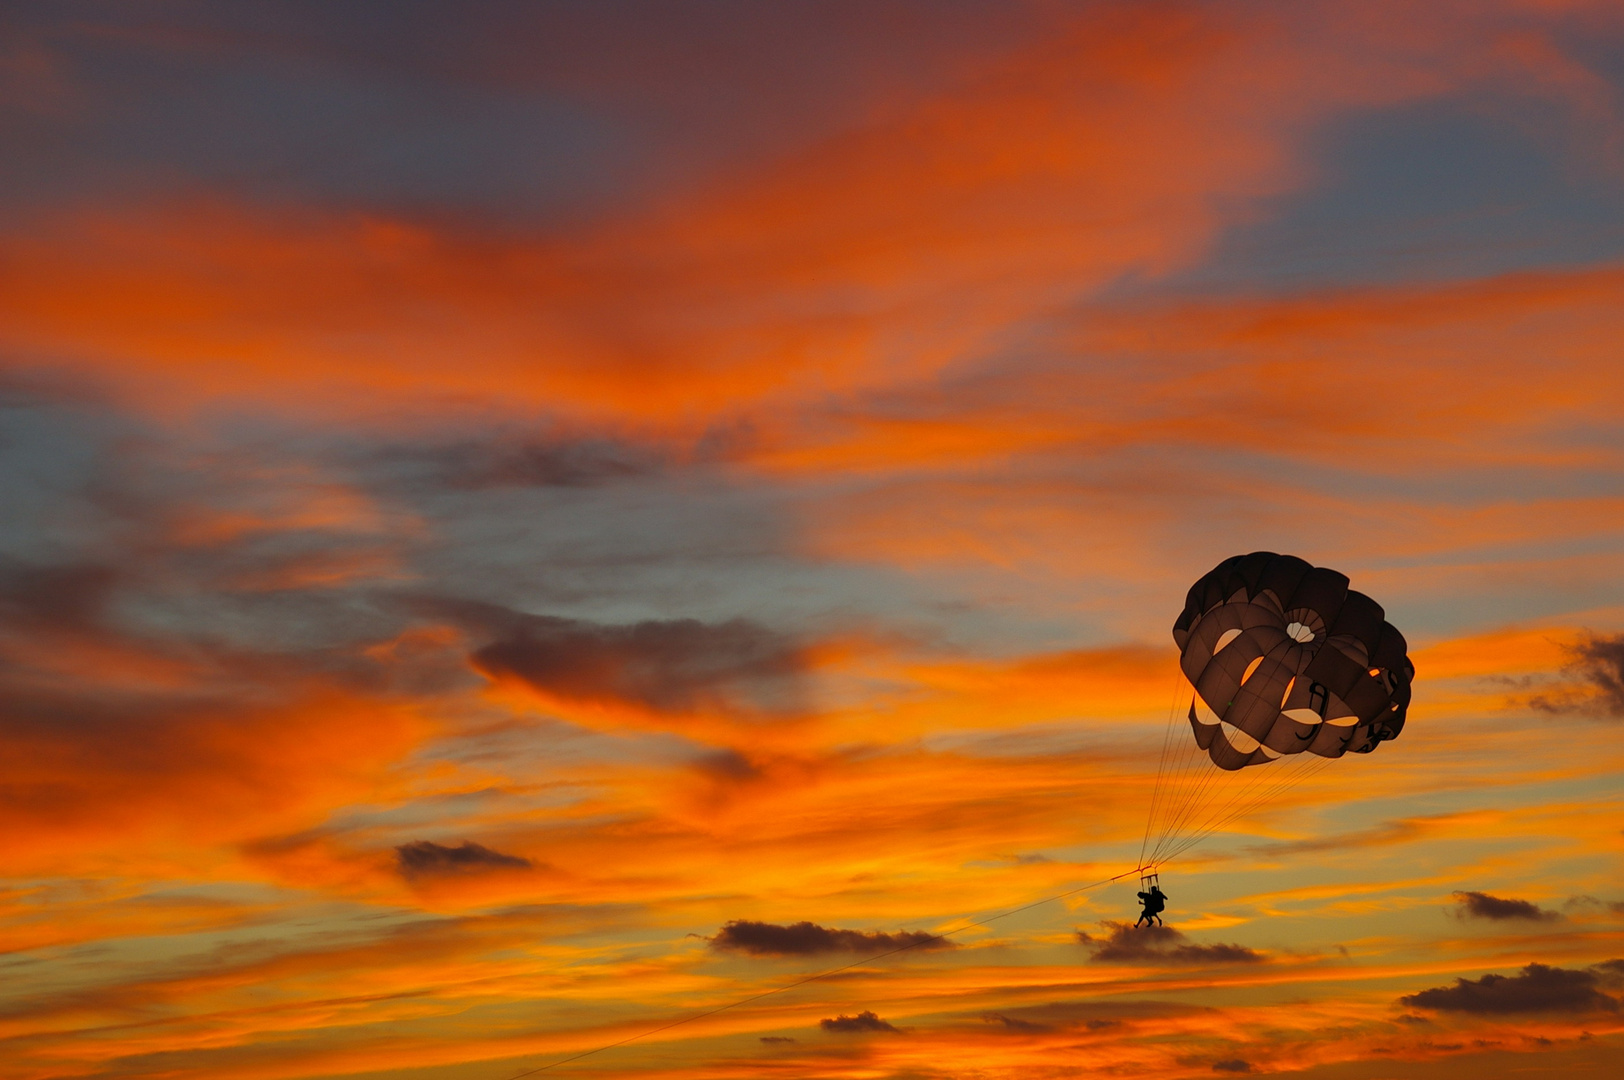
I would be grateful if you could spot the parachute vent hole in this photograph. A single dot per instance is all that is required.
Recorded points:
(1299, 632)
(1376, 671)
(1287, 695)
(1250, 669)
(1224, 639)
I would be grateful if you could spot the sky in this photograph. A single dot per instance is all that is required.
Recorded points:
(527, 523)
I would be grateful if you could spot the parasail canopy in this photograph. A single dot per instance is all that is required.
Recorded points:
(1286, 659)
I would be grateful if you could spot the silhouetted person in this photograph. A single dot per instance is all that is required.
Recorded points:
(1155, 902)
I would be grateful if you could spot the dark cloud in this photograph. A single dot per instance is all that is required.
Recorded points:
(728, 765)
(1596, 665)
(1161, 944)
(577, 463)
(527, 114)
(863, 1021)
(1593, 902)
(1600, 660)
(1611, 973)
(425, 858)
(810, 939)
(1232, 1065)
(1537, 988)
(62, 598)
(1015, 1023)
(670, 666)
(1478, 905)
(1053, 1018)
(776, 1039)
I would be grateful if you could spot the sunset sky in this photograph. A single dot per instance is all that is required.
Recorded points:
(528, 522)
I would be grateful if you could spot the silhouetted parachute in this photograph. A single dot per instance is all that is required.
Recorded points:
(1290, 669)
(1286, 659)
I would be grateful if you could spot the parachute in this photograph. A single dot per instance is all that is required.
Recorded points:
(1290, 669)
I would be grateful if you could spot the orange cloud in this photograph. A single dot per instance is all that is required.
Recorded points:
(908, 331)
(47, 918)
(888, 252)
(1505, 653)
(112, 785)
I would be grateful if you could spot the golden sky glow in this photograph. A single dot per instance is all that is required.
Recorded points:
(497, 495)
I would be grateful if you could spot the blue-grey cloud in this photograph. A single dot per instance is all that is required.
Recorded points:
(472, 465)
(669, 666)
(59, 597)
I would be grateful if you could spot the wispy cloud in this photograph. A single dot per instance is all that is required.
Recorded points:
(1596, 671)
(1015, 1023)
